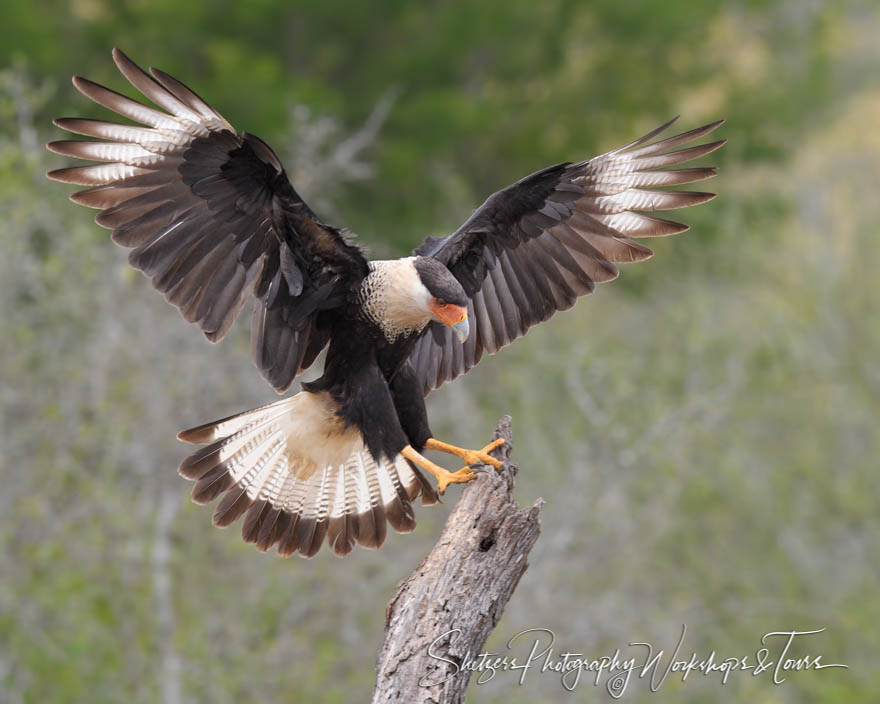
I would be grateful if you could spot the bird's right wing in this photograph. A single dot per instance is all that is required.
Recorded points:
(211, 218)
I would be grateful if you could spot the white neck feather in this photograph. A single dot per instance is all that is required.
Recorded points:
(393, 297)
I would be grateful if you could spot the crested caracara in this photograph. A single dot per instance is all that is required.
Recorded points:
(210, 216)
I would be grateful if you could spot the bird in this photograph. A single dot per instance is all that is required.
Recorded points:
(210, 216)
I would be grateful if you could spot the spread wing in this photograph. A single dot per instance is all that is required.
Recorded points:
(536, 246)
(211, 218)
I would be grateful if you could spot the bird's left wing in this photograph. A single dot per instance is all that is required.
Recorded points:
(536, 246)
(211, 218)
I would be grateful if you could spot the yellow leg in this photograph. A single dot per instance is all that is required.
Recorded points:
(444, 477)
(469, 456)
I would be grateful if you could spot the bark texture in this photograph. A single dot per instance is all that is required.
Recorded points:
(449, 605)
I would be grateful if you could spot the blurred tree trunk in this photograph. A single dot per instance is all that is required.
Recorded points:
(449, 605)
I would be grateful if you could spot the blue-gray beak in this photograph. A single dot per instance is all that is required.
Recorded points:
(461, 330)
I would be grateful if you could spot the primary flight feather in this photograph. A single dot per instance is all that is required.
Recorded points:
(211, 217)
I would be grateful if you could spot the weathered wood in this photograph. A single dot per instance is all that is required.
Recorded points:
(443, 612)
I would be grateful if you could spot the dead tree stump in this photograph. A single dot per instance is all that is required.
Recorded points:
(444, 611)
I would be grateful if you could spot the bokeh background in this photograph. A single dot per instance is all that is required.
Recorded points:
(704, 430)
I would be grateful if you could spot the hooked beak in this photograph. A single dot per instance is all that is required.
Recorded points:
(461, 329)
(452, 316)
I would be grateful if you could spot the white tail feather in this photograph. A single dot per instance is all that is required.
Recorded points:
(301, 475)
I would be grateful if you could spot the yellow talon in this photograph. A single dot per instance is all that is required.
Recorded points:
(469, 456)
(443, 476)
(465, 474)
(462, 476)
(482, 456)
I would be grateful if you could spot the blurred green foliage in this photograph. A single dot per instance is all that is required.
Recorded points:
(704, 430)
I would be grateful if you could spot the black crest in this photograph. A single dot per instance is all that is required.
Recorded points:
(440, 282)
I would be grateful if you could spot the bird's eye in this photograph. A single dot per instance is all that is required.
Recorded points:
(441, 303)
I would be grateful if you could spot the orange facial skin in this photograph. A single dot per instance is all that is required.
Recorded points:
(448, 313)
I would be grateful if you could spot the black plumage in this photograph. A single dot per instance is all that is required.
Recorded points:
(533, 248)
(211, 217)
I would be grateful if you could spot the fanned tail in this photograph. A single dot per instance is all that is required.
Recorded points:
(300, 476)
